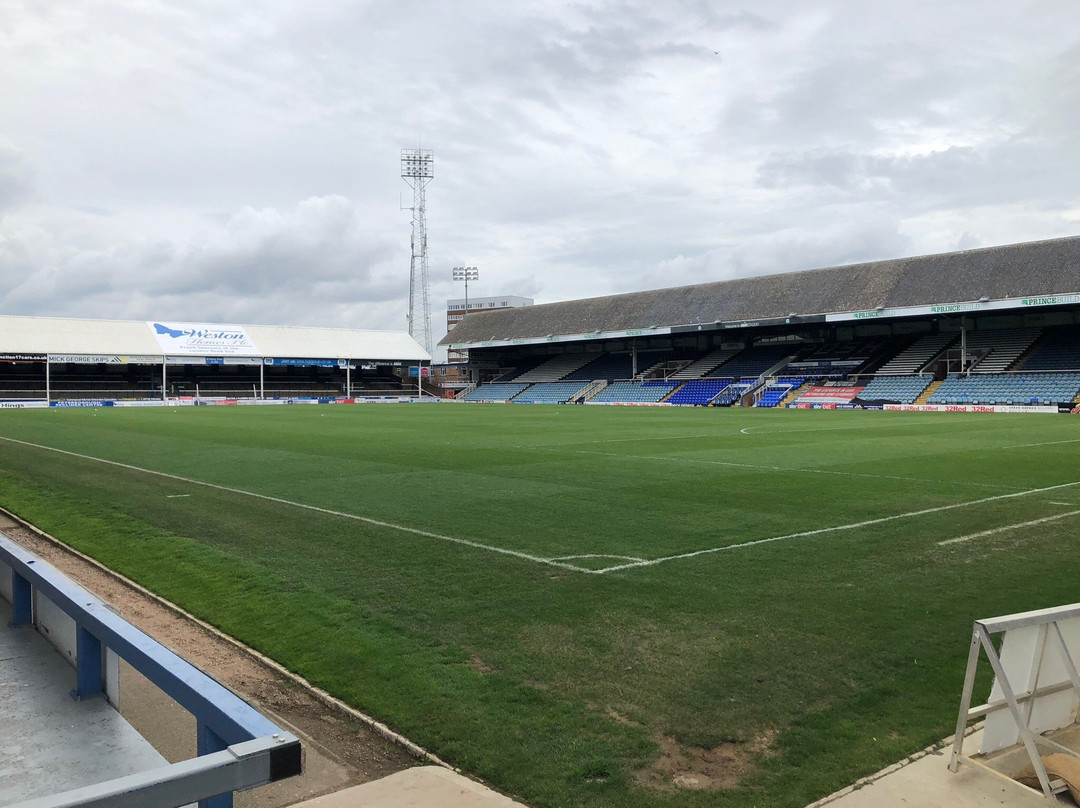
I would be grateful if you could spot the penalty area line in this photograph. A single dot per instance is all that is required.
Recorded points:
(835, 528)
(329, 512)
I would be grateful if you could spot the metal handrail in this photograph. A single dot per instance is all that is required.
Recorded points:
(239, 748)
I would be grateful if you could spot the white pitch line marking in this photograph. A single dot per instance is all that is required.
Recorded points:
(843, 428)
(1007, 528)
(744, 431)
(176, 496)
(366, 519)
(819, 531)
(623, 440)
(597, 555)
(675, 459)
(1044, 443)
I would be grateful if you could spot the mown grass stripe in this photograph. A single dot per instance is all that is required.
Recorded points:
(281, 501)
(835, 528)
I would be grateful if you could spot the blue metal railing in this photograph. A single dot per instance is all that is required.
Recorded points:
(238, 747)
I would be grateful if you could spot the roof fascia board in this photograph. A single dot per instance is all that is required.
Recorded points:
(956, 308)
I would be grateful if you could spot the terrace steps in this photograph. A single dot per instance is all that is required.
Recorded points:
(705, 365)
(1023, 358)
(591, 391)
(674, 390)
(929, 391)
(652, 371)
(794, 394)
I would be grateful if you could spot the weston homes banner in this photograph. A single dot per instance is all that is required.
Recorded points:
(202, 339)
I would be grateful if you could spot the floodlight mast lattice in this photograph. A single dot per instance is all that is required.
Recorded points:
(418, 169)
(466, 274)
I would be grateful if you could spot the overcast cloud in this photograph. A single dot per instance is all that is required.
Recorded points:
(240, 161)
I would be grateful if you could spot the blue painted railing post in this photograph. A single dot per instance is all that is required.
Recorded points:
(207, 743)
(22, 601)
(89, 681)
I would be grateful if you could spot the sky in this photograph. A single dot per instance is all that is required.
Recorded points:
(240, 162)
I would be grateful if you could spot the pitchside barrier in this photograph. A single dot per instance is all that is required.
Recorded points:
(238, 748)
(191, 401)
(1036, 690)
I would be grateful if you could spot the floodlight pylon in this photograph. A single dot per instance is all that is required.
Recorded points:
(418, 169)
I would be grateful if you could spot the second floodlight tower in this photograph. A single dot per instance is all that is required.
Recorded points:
(466, 274)
(418, 169)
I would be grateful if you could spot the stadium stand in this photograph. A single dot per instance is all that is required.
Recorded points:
(837, 357)
(734, 393)
(873, 290)
(916, 356)
(550, 392)
(698, 392)
(633, 392)
(1059, 349)
(893, 324)
(1007, 388)
(652, 364)
(895, 389)
(55, 360)
(755, 361)
(828, 394)
(707, 363)
(523, 367)
(614, 366)
(996, 351)
(494, 391)
(556, 368)
(775, 391)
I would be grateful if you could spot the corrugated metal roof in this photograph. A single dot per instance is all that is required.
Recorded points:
(334, 343)
(54, 335)
(1010, 271)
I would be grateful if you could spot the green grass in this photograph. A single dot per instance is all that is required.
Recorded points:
(816, 658)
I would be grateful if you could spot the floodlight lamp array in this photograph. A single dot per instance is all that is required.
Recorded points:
(417, 164)
(466, 274)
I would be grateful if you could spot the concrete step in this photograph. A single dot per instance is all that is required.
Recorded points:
(794, 394)
(929, 391)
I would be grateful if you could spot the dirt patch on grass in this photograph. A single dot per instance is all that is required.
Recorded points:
(622, 719)
(477, 665)
(700, 769)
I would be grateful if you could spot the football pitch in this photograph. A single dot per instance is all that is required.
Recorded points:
(587, 606)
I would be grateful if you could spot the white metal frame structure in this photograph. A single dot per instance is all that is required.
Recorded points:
(1050, 642)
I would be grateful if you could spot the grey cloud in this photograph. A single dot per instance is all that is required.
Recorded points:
(315, 258)
(16, 176)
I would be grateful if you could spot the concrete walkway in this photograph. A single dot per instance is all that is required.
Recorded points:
(421, 787)
(926, 782)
